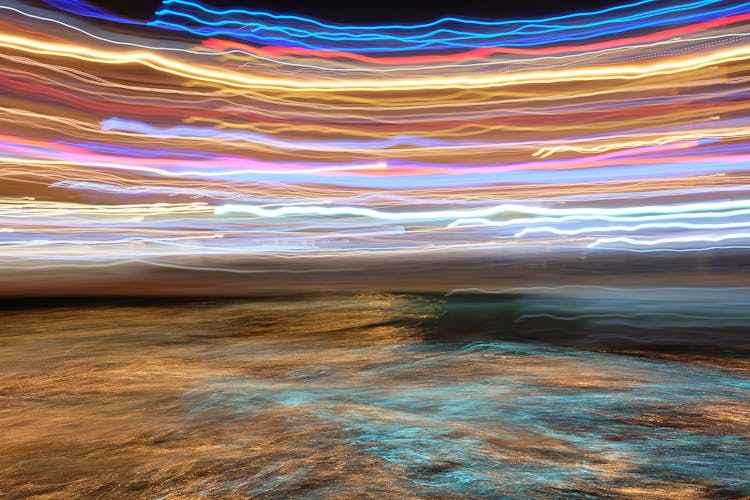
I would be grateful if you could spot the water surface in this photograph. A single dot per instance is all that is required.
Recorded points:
(368, 395)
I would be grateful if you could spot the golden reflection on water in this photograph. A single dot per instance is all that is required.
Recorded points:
(342, 396)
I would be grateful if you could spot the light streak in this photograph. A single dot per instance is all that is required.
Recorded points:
(481, 212)
(233, 79)
(637, 227)
(525, 32)
(298, 143)
(670, 240)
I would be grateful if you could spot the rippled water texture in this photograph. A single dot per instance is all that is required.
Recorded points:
(374, 395)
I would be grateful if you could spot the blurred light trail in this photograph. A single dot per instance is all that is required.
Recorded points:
(212, 139)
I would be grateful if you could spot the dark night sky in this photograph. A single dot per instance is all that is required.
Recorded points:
(381, 11)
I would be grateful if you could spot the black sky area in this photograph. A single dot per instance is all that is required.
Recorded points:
(379, 11)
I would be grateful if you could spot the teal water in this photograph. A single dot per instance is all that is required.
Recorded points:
(375, 395)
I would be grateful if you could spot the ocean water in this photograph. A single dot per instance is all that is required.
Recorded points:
(378, 395)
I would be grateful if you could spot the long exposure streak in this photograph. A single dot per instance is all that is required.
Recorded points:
(196, 137)
(250, 254)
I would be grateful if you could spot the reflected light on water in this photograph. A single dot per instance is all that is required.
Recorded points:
(366, 395)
